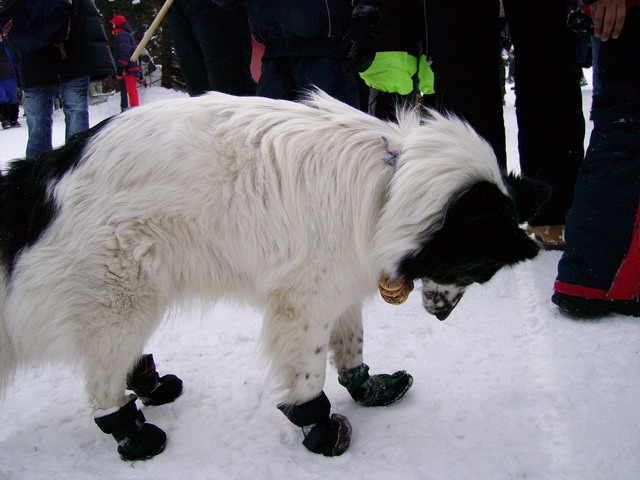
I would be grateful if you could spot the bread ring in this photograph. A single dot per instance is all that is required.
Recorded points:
(396, 292)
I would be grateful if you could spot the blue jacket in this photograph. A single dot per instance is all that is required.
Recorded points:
(123, 47)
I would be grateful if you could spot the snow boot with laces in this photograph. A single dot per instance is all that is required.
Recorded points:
(137, 440)
(151, 388)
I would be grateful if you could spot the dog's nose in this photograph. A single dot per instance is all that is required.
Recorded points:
(440, 300)
(442, 314)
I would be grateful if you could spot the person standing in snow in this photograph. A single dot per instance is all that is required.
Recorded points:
(314, 43)
(399, 71)
(599, 272)
(128, 72)
(9, 105)
(60, 45)
(213, 45)
(464, 44)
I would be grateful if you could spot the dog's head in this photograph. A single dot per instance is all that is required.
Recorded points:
(480, 234)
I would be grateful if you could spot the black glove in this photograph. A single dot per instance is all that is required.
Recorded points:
(579, 22)
(362, 38)
(5, 4)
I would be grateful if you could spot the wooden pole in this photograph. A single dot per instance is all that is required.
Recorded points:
(151, 30)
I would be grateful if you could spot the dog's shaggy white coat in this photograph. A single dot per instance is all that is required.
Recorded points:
(286, 206)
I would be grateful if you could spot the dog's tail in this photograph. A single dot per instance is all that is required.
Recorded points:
(8, 359)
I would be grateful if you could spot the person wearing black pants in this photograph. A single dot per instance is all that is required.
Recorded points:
(464, 48)
(599, 271)
(213, 45)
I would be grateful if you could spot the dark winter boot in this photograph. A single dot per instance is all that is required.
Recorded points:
(579, 307)
(328, 435)
(153, 389)
(136, 439)
(377, 390)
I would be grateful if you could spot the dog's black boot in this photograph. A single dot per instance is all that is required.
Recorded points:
(136, 439)
(374, 390)
(151, 388)
(328, 435)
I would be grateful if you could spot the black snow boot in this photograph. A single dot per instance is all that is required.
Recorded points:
(579, 307)
(374, 390)
(151, 388)
(328, 435)
(136, 439)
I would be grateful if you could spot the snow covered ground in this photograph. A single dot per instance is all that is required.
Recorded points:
(506, 388)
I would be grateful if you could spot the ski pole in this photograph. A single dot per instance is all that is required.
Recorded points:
(151, 30)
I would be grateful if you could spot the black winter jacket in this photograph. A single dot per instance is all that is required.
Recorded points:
(295, 28)
(86, 48)
(288, 29)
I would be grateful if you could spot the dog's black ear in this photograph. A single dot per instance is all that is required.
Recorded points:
(528, 194)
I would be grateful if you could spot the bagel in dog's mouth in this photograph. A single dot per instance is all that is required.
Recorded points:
(395, 292)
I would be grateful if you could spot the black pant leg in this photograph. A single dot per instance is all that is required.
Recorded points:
(548, 101)
(465, 49)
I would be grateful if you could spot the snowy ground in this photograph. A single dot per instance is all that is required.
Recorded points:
(506, 388)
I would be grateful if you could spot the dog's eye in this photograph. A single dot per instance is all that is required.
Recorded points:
(465, 280)
(476, 276)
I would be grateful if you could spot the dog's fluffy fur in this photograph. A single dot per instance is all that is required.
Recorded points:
(287, 206)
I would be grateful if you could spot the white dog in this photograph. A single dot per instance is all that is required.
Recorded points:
(297, 208)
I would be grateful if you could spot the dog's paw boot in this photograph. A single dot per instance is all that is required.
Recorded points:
(330, 438)
(149, 386)
(374, 390)
(137, 440)
(328, 435)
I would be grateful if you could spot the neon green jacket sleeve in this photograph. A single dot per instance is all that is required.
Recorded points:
(393, 72)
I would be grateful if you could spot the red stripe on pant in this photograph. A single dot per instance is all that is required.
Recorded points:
(626, 284)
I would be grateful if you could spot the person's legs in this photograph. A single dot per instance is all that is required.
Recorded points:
(4, 110)
(226, 46)
(328, 75)
(598, 272)
(75, 104)
(276, 80)
(189, 53)
(13, 111)
(214, 47)
(131, 82)
(124, 97)
(38, 106)
(465, 48)
(4, 115)
(548, 102)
